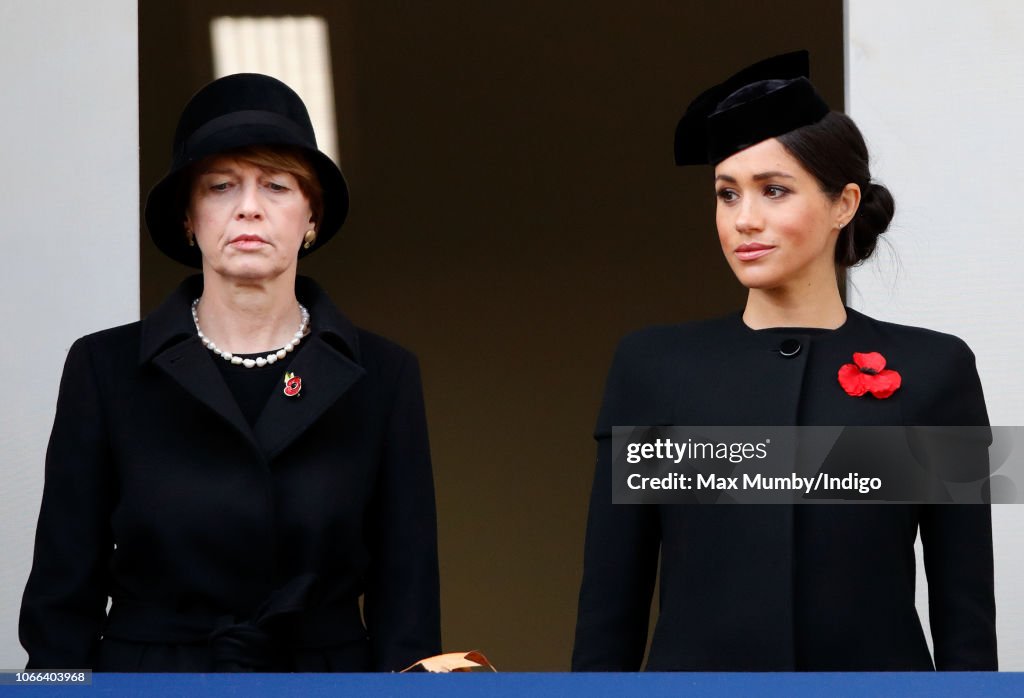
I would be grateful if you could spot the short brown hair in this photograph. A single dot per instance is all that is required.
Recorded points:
(281, 158)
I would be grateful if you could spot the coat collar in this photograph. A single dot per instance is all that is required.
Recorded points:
(171, 322)
(769, 339)
(769, 367)
(328, 363)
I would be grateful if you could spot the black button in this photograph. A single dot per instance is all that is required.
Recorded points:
(790, 348)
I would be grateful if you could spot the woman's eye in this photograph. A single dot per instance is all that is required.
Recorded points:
(274, 186)
(726, 195)
(220, 186)
(774, 191)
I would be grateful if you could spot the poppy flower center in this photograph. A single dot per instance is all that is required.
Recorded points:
(869, 371)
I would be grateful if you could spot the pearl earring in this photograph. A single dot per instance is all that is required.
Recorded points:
(310, 238)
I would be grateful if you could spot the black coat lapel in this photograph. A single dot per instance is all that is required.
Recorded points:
(190, 364)
(328, 365)
(326, 375)
(169, 341)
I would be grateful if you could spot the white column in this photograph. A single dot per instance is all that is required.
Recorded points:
(69, 177)
(938, 90)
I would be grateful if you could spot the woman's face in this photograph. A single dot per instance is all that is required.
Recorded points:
(248, 221)
(777, 228)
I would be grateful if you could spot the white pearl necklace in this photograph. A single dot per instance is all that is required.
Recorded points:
(260, 361)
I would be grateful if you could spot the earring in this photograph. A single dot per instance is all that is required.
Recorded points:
(310, 238)
(191, 237)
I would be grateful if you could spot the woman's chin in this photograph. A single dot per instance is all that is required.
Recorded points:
(246, 270)
(759, 282)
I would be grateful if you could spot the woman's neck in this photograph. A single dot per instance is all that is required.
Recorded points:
(787, 307)
(248, 317)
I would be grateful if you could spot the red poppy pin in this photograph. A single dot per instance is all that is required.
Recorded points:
(868, 374)
(292, 384)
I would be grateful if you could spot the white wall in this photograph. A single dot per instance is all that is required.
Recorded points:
(938, 90)
(69, 185)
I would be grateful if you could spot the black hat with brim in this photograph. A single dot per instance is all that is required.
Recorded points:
(764, 100)
(237, 111)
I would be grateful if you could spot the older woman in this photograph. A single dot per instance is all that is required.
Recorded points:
(242, 467)
(782, 587)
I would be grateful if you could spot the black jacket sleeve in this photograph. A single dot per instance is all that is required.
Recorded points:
(621, 551)
(402, 604)
(957, 542)
(64, 605)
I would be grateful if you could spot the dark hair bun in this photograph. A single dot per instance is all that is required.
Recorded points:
(859, 237)
(834, 152)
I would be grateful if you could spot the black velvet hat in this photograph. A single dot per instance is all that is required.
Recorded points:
(245, 109)
(764, 100)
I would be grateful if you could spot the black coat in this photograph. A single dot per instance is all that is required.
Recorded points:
(225, 546)
(782, 587)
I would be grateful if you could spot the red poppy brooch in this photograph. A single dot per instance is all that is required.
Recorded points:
(292, 384)
(868, 374)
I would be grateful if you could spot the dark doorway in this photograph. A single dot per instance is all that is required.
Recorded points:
(515, 211)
